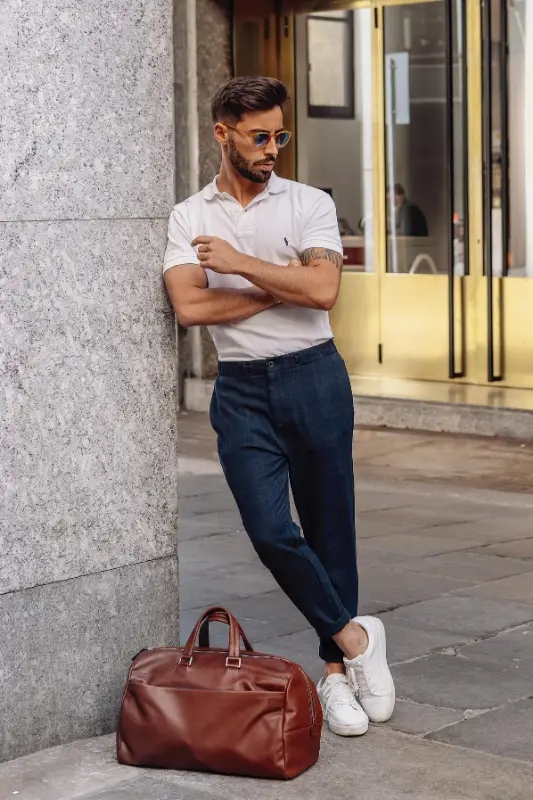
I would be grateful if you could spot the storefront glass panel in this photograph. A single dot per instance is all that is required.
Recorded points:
(335, 147)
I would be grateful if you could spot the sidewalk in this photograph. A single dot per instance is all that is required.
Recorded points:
(446, 557)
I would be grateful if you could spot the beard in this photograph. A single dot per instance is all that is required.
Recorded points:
(251, 170)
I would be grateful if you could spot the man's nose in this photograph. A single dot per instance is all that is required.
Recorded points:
(271, 149)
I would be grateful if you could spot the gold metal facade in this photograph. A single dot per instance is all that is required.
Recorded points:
(416, 308)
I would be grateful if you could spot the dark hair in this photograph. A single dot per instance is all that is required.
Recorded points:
(399, 190)
(240, 95)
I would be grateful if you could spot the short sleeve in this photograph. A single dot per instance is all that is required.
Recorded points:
(179, 248)
(321, 228)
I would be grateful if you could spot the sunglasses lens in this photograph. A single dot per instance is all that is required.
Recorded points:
(261, 139)
(282, 139)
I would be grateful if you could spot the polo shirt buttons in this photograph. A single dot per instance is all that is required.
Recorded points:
(270, 364)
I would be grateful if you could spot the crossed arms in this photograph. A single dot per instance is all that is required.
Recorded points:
(313, 281)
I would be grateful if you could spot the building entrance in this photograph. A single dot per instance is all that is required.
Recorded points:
(405, 116)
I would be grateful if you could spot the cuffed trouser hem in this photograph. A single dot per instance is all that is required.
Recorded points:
(332, 630)
(330, 651)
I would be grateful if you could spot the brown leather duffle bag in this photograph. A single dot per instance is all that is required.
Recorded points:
(231, 711)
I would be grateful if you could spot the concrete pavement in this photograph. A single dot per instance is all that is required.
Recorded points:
(446, 557)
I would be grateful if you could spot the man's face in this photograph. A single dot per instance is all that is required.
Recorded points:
(398, 199)
(254, 163)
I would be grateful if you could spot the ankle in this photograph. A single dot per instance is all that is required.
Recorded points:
(334, 669)
(353, 640)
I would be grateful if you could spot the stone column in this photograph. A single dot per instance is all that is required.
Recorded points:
(88, 467)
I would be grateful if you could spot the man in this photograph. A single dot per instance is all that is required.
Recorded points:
(258, 259)
(410, 219)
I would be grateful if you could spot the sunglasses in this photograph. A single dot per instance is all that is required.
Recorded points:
(262, 139)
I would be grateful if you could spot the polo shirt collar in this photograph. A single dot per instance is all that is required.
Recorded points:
(275, 185)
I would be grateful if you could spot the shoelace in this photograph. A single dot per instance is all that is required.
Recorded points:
(358, 680)
(340, 694)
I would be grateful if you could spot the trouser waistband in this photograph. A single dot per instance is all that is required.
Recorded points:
(263, 366)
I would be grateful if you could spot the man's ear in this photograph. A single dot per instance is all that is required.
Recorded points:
(221, 133)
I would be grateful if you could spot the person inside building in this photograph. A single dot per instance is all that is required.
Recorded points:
(258, 259)
(410, 220)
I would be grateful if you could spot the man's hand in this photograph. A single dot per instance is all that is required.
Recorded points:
(217, 255)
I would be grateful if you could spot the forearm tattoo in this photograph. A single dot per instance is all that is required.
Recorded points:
(314, 253)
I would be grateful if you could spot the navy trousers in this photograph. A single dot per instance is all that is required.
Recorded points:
(289, 420)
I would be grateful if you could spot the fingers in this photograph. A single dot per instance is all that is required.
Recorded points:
(295, 262)
(202, 240)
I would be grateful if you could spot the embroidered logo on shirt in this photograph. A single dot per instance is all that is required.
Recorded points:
(286, 242)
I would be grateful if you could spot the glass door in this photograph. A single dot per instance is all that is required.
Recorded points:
(379, 112)
(507, 290)
(334, 53)
(425, 154)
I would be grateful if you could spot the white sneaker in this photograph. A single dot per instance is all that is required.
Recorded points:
(369, 675)
(343, 713)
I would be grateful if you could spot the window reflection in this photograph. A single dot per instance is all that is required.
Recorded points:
(511, 114)
(335, 144)
(424, 126)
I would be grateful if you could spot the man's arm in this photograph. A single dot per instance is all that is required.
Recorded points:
(196, 304)
(314, 284)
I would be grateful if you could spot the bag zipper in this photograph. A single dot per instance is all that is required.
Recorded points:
(311, 698)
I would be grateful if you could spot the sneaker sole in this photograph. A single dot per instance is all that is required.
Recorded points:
(381, 645)
(347, 730)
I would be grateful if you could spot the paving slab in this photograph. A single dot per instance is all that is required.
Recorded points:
(434, 515)
(507, 731)
(198, 485)
(225, 520)
(203, 587)
(396, 587)
(420, 719)
(517, 587)
(522, 548)
(376, 558)
(301, 647)
(220, 502)
(369, 499)
(515, 646)
(405, 642)
(462, 681)
(418, 544)
(263, 617)
(467, 617)
(490, 531)
(64, 773)
(370, 525)
(474, 567)
(146, 787)
(383, 765)
(217, 550)
(199, 528)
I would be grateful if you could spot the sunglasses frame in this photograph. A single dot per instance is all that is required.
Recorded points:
(253, 134)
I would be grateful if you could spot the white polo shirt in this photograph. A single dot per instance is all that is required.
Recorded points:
(281, 222)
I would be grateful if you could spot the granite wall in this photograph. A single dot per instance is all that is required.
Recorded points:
(215, 66)
(88, 372)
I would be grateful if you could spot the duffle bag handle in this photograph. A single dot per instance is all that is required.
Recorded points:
(217, 614)
(203, 639)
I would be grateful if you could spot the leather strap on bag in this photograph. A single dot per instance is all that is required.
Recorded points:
(233, 659)
(203, 639)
